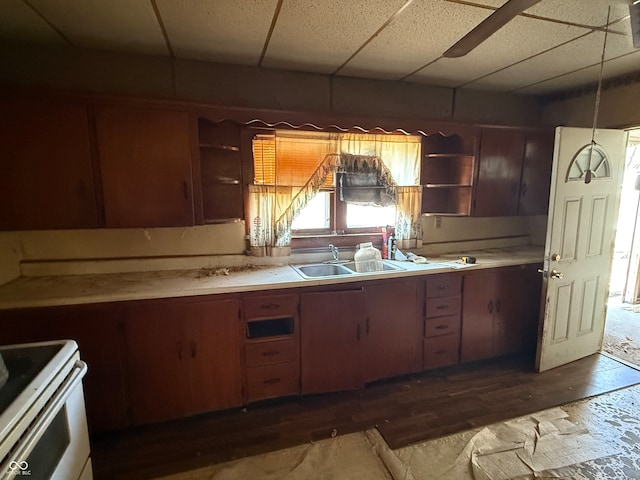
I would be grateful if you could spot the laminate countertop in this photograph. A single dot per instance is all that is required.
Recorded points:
(43, 291)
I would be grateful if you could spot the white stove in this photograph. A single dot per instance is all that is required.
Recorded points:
(43, 425)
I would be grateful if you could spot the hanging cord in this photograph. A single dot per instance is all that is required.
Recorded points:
(588, 173)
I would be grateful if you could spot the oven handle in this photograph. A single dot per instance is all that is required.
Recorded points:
(51, 409)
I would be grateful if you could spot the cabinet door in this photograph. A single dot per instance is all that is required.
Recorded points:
(393, 330)
(517, 309)
(47, 174)
(332, 325)
(499, 173)
(213, 367)
(155, 353)
(478, 307)
(145, 162)
(536, 174)
(95, 330)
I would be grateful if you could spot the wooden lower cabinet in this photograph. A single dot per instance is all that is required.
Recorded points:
(332, 325)
(95, 328)
(500, 312)
(182, 358)
(392, 343)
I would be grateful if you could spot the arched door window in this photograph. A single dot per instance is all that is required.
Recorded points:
(590, 158)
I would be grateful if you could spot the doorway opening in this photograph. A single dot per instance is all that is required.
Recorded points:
(622, 326)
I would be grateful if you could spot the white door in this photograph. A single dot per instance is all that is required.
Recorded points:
(583, 209)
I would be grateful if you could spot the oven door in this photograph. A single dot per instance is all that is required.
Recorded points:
(56, 445)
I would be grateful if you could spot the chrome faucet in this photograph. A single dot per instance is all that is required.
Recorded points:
(334, 252)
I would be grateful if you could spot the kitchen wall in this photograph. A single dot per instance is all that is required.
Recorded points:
(86, 251)
(618, 109)
(246, 86)
(9, 257)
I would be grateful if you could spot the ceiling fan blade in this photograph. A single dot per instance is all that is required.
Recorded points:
(488, 27)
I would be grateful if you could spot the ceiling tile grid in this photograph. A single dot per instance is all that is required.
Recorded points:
(19, 22)
(117, 25)
(227, 31)
(414, 39)
(519, 39)
(319, 36)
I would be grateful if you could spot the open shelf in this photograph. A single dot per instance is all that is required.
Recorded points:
(447, 173)
(220, 171)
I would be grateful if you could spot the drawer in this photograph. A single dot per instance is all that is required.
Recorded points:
(441, 351)
(443, 285)
(438, 307)
(442, 325)
(269, 353)
(272, 381)
(270, 306)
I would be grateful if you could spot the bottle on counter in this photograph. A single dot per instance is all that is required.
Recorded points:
(368, 258)
(391, 246)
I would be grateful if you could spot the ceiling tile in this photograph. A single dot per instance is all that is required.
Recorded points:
(612, 68)
(414, 39)
(119, 25)
(19, 22)
(519, 39)
(320, 36)
(573, 56)
(231, 31)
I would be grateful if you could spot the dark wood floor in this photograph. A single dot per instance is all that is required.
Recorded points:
(405, 410)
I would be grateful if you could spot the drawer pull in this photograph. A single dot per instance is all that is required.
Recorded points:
(270, 306)
(440, 352)
(271, 381)
(442, 307)
(442, 327)
(443, 287)
(270, 353)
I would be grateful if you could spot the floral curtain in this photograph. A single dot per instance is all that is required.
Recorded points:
(390, 163)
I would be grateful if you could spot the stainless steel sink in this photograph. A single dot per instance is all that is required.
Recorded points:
(386, 267)
(319, 270)
(322, 270)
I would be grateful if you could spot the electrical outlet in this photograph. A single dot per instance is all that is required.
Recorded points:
(438, 222)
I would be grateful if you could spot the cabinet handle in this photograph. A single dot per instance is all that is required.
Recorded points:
(442, 327)
(497, 306)
(185, 190)
(270, 353)
(524, 189)
(443, 286)
(358, 332)
(179, 346)
(367, 325)
(490, 306)
(442, 307)
(440, 352)
(271, 381)
(193, 349)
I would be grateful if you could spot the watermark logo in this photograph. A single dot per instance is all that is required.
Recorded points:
(19, 468)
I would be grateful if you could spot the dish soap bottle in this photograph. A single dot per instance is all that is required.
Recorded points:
(368, 258)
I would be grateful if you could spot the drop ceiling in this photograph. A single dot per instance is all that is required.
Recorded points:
(554, 46)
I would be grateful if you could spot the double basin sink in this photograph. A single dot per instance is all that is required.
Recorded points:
(320, 270)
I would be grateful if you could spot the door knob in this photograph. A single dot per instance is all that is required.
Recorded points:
(555, 257)
(554, 273)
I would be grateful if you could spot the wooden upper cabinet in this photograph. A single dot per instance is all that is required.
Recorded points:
(536, 173)
(499, 173)
(47, 175)
(145, 164)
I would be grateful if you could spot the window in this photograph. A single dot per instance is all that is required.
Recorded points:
(319, 183)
